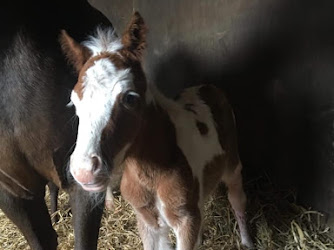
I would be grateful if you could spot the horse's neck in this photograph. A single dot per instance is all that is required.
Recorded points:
(156, 141)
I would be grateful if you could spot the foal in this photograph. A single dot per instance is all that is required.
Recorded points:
(174, 152)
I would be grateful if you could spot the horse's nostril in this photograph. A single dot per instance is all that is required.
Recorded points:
(96, 163)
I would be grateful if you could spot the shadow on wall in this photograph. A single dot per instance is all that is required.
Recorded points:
(280, 85)
(247, 67)
(275, 61)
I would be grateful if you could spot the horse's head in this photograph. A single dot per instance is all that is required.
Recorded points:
(109, 98)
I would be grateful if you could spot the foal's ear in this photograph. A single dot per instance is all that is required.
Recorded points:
(134, 37)
(75, 53)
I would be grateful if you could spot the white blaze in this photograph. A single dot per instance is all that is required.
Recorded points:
(102, 84)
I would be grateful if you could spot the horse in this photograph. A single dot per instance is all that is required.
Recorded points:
(173, 152)
(37, 128)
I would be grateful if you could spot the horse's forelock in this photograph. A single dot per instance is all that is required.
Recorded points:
(104, 40)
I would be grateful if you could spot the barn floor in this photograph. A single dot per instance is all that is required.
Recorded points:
(276, 223)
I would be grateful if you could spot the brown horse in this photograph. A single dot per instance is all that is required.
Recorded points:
(37, 129)
(175, 152)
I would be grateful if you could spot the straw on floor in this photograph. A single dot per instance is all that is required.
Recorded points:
(275, 220)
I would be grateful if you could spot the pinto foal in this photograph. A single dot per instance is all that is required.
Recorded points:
(174, 152)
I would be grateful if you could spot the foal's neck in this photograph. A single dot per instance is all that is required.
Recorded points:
(156, 140)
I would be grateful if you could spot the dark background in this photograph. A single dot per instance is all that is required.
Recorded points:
(275, 61)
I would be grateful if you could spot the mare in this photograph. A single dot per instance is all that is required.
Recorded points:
(37, 129)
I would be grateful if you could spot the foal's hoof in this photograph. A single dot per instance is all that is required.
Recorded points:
(248, 244)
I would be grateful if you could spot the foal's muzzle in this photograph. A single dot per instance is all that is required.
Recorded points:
(88, 174)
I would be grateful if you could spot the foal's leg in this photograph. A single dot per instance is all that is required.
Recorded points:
(109, 198)
(186, 225)
(181, 213)
(32, 218)
(153, 233)
(237, 198)
(200, 234)
(87, 213)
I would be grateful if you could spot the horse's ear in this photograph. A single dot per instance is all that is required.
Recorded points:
(134, 37)
(75, 53)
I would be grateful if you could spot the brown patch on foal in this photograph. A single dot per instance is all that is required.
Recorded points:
(141, 198)
(202, 128)
(180, 195)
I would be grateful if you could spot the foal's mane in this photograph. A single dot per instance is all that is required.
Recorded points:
(104, 39)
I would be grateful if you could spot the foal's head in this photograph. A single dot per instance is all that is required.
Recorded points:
(109, 98)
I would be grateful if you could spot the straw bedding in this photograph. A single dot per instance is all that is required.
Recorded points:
(276, 222)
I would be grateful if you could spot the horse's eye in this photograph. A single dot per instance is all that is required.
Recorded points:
(131, 99)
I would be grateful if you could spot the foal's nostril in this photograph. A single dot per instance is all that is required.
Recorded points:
(96, 163)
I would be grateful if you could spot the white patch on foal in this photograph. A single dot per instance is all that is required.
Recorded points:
(161, 237)
(198, 149)
(102, 84)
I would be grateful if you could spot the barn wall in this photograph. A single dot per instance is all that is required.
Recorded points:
(275, 60)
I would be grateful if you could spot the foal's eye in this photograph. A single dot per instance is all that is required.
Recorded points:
(131, 99)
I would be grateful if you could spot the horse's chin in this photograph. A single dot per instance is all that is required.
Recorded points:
(95, 188)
